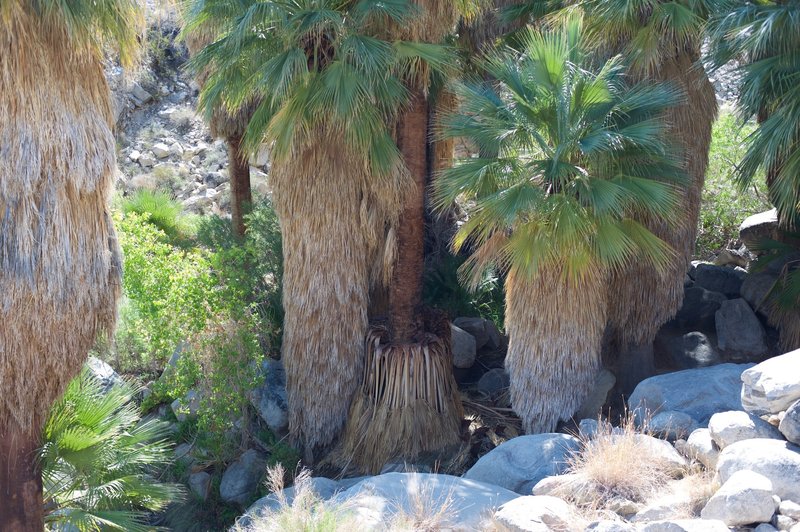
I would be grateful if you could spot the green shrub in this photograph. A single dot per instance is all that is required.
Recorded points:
(99, 460)
(723, 206)
(159, 209)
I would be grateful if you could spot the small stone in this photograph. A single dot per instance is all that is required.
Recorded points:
(176, 149)
(593, 405)
(532, 513)
(783, 522)
(139, 94)
(200, 484)
(161, 150)
(790, 423)
(134, 155)
(240, 480)
(610, 526)
(146, 160)
(464, 351)
(790, 509)
(672, 425)
(718, 279)
(765, 527)
(746, 497)
(493, 381)
(622, 507)
(685, 525)
(701, 447)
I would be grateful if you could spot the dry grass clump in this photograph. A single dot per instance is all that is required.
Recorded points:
(617, 464)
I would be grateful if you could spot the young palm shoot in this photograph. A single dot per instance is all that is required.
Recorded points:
(556, 208)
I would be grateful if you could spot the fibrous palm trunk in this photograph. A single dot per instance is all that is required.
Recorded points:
(644, 299)
(555, 330)
(241, 195)
(59, 280)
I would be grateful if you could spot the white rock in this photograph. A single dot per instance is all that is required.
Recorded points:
(376, 499)
(533, 513)
(176, 149)
(790, 509)
(746, 497)
(727, 428)
(160, 150)
(146, 160)
(521, 462)
(777, 460)
(790, 423)
(784, 522)
(674, 463)
(463, 345)
(700, 446)
(685, 525)
(134, 155)
(773, 385)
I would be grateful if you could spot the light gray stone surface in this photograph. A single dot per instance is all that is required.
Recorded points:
(464, 347)
(773, 385)
(790, 424)
(746, 497)
(240, 480)
(535, 513)
(777, 460)
(729, 427)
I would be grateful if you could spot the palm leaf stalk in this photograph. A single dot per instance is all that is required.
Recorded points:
(330, 86)
(409, 401)
(98, 460)
(60, 261)
(557, 206)
(763, 37)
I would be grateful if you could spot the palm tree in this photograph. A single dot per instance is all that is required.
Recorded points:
(660, 41)
(60, 262)
(763, 37)
(556, 208)
(229, 126)
(329, 84)
(98, 458)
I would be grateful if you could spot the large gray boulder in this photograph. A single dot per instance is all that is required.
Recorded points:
(721, 279)
(240, 481)
(200, 485)
(484, 331)
(700, 446)
(493, 381)
(746, 497)
(699, 308)
(773, 385)
(464, 347)
(739, 333)
(323, 488)
(699, 392)
(376, 500)
(535, 513)
(756, 286)
(790, 424)
(521, 462)
(727, 428)
(777, 460)
(269, 399)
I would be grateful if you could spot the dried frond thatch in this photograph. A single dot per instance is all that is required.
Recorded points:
(555, 330)
(332, 216)
(59, 280)
(408, 403)
(644, 298)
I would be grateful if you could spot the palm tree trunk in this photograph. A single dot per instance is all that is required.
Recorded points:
(21, 506)
(241, 195)
(405, 294)
(555, 333)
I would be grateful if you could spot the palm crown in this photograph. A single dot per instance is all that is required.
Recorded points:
(309, 62)
(578, 152)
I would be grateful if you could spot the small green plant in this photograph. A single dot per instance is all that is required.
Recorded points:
(168, 179)
(723, 206)
(161, 210)
(99, 459)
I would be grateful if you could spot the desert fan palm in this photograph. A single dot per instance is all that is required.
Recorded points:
(329, 86)
(60, 263)
(99, 459)
(557, 207)
(763, 36)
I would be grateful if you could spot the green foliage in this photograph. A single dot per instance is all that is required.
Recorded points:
(169, 294)
(443, 289)
(764, 36)
(312, 63)
(576, 152)
(160, 210)
(99, 460)
(724, 207)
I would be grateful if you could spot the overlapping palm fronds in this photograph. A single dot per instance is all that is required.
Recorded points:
(577, 150)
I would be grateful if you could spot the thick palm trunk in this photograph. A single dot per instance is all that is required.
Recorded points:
(241, 195)
(643, 298)
(21, 507)
(555, 333)
(405, 294)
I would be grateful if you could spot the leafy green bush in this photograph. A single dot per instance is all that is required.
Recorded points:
(169, 294)
(99, 459)
(161, 210)
(723, 206)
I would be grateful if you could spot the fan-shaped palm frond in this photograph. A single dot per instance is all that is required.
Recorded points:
(577, 150)
(99, 458)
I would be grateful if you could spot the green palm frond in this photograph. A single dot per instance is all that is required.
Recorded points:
(311, 61)
(764, 37)
(580, 155)
(99, 457)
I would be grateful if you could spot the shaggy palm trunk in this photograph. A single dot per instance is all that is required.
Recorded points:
(644, 298)
(59, 280)
(241, 195)
(555, 331)
(21, 509)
